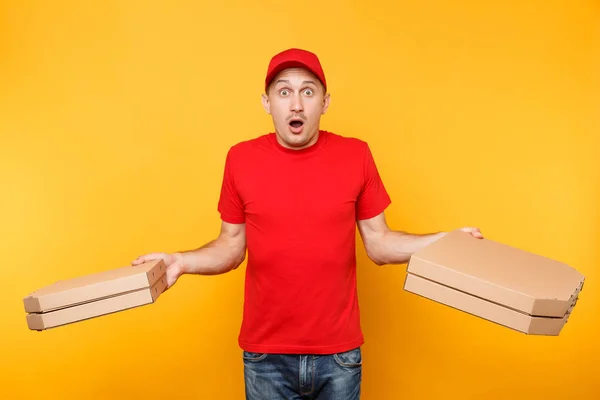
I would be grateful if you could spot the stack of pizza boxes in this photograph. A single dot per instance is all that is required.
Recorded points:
(84, 297)
(505, 285)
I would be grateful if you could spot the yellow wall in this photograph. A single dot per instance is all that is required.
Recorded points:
(115, 117)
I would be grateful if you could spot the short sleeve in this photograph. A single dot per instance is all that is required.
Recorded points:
(230, 205)
(373, 198)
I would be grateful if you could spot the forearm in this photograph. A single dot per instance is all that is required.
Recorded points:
(394, 247)
(216, 257)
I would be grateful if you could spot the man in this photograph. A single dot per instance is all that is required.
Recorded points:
(293, 199)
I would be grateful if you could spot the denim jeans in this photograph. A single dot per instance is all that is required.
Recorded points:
(303, 377)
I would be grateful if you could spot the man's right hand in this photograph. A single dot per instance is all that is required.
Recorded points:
(218, 256)
(173, 262)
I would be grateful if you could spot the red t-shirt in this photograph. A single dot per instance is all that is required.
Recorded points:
(300, 208)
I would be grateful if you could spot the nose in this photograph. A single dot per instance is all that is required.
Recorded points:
(296, 103)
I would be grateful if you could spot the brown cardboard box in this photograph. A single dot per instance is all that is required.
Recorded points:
(92, 295)
(503, 284)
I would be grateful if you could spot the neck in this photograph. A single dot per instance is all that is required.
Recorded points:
(310, 143)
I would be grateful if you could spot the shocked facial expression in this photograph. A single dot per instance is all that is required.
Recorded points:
(296, 100)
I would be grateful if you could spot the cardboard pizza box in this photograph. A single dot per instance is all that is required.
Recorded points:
(80, 312)
(502, 284)
(92, 295)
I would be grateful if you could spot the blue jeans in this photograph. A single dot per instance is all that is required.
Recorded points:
(303, 377)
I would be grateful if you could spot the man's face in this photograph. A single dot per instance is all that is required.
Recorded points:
(296, 101)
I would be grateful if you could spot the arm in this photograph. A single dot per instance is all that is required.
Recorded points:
(219, 256)
(385, 246)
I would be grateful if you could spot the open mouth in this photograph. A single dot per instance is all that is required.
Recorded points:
(296, 126)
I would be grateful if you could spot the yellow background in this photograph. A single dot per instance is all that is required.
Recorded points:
(115, 118)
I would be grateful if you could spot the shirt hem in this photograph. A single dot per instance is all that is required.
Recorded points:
(233, 220)
(374, 211)
(292, 349)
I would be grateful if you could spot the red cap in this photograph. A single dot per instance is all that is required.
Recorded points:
(295, 58)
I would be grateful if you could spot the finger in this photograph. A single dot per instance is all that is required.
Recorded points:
(475, 232)
(137, 261)
(140, 260)
(148, 257)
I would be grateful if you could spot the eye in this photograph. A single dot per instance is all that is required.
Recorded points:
(308, 92)
(284, 92)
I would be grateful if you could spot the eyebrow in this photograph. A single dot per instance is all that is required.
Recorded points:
(287, 81)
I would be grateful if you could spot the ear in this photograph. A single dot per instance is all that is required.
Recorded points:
(266, 104)
(326, 103)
